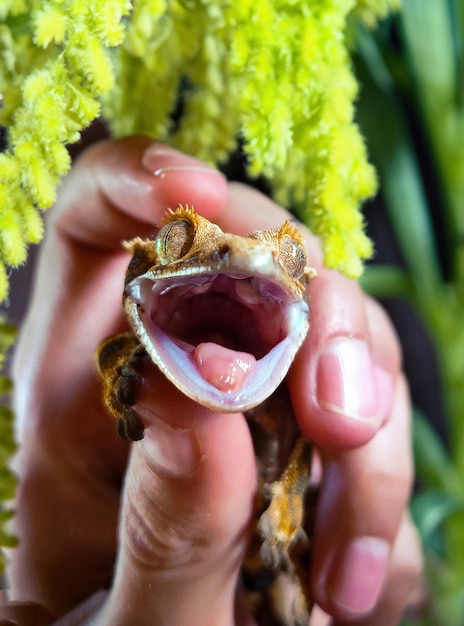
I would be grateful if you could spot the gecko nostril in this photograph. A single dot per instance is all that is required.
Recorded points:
(221, 252)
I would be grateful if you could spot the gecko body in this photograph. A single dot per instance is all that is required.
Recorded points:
(223, 317)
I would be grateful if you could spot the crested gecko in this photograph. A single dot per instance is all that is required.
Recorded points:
(223, 317)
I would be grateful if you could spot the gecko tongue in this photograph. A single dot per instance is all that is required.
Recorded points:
(223, 368)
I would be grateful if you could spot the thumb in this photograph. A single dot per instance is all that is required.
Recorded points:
(186, 510)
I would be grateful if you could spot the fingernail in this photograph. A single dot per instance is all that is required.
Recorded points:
(355, 582)
(385, 390)
(175, 451)
(347, 381)
(161, 160)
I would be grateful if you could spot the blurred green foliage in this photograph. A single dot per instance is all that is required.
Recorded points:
(411, 110)
(7, 444)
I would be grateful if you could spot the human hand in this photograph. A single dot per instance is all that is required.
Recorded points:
(175, 538)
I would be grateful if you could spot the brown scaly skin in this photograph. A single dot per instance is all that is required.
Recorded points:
(277, 563)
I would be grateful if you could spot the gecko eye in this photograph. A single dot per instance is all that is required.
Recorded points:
(174, 240)
(292, 256)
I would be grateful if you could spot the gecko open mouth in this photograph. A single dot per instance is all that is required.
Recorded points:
(232, 311)
(227, 337)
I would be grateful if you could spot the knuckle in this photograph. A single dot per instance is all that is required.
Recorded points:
(159, 539)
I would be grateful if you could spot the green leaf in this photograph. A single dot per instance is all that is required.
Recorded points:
(382, 119)
(434, 467)
(432, 40)
(447, 592)
(386, 281)
(428, 35)
(431, 508)
(457, 20)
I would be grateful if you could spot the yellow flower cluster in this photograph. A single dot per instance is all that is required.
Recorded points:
(273, 74)
(305, 140)
(371, 11)
(54, 67)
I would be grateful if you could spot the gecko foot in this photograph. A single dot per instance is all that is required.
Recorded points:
(117, 359)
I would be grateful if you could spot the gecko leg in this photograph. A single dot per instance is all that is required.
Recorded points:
(281, 524)
(285, 548)
(117, 359)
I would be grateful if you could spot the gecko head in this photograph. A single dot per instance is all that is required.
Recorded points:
(223, 320)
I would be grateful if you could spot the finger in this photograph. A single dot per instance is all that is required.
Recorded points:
(319, 617)
(116, 190)
(123, 188)
(368, 489)
(342, 379)
(70, 461)
(186, 511)
(248, 210)
(403, 579)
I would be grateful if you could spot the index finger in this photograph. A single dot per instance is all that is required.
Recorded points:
(117, 190)
(124, 187)
(341, 381)
(70, 460)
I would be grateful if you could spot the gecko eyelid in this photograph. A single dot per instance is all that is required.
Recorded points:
(174, 240)
(293, 256)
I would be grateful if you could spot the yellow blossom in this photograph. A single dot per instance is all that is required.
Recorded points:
(370, 11)
(12, 242)
(50, 25)
(275, 74)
